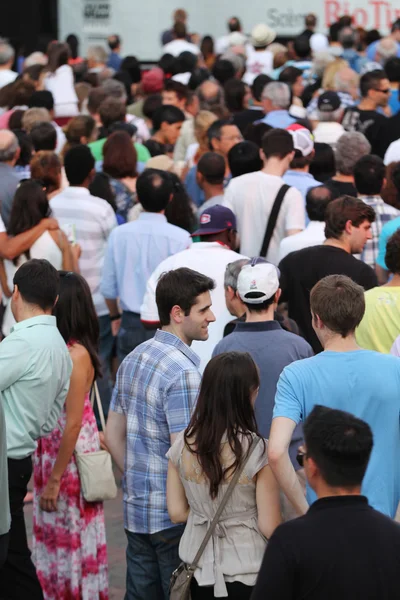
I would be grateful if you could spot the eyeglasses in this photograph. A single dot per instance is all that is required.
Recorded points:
(300, 457)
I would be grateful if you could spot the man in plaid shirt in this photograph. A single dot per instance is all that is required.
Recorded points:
(369, 179)
(154, 396)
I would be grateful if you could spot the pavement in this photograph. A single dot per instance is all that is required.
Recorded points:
(116, 543)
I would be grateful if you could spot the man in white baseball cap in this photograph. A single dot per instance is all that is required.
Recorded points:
(259, 59)
(271, 347)
(298, 175)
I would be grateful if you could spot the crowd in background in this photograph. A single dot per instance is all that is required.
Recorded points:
(215, 241)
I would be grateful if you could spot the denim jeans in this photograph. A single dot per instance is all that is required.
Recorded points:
(132, 333)
(105, 351)
(151, 560)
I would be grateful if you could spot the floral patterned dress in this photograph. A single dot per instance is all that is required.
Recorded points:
(69, 546)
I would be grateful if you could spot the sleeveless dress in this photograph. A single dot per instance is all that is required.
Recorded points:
(69, 546)
(44, 247)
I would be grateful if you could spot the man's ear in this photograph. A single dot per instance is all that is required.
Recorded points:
(176, 314)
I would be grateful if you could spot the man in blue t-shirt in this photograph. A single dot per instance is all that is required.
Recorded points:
(343, 377)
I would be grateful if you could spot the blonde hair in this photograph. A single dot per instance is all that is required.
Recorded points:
(202, 122)
(33, 116)
(328, 80)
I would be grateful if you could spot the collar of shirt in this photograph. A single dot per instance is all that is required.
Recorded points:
(338, 501)
(165, 337)
(76, 191)
(371, 200)
(299, 174)
(259, 326)
(39, 320)
(148, 216)
(315, 226)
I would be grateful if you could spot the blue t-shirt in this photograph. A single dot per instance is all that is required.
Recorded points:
(366, 384)
(387, 231)
(371, 50)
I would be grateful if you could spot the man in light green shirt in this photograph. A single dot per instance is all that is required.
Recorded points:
(35, 369)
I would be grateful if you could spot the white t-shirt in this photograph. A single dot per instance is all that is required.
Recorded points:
(313, 235)
(208, 258)
(328, 133)
(392, 153)
(62, 85)
(7, 76)
(176, 47)
(251, 198)
(257, 63)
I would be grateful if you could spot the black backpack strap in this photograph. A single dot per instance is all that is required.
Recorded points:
(273, 217)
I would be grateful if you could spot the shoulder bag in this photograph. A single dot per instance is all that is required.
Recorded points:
(273, 217)
(95, 468)
(181, 579)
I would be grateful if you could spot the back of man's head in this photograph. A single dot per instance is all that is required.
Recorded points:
(301, 46)
(232, 273)
(9, 146)
(392, 255)
(278, 93)
(154, 189)
(385, 49)
(96, 97)
(244, 158)
(277, 143)
(339, 303)
(369, 175)
(114, 42)
(38, 283)
(234, 24)
(79, 164)
(342, 210)
(350, 147)
(259, 85)
(6, 52)
(167, 113)
(42, 99)
(392, 69)
(97, 54)
(32, 116)
(212, 167)
(210, 94)
(112, 110)
(310, 21)
(347, 37)
(339, 446)
(317, 200)
(44, 136)
(180, 287)
(223, 70)
(114, 89)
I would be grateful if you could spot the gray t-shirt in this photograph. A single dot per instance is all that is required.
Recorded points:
(272, 349)
(4, 502)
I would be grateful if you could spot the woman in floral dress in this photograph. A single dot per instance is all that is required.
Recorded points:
(69, 541)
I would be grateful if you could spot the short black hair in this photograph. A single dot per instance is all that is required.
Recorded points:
(223, 70)
(334, 30)
(235, 92)
(340, 444)
(212, 166)
(180, 287)
(255, 132)
(301, 46)
(167, 113)
(154, 189)
(234, 24)
(215, 130)
(370, 80)
(277, 142)
(395, 26)
(290, 75)
(25, 146)
(258, 85)
(187, 62)
(323, 165)
(131, 66)
(43, 136)
(169, 64)
(42, 99)
(114, 41)
(258, 308)
(78, 163)
(243, 158)
(317, 200)
(369, 174)
(151, 104)
(392, 256)
(38, 283)
(392, 69)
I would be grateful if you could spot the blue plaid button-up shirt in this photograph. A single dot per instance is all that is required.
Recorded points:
(156, 389)
(384, 213)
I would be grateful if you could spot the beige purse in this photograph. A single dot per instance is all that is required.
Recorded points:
(95, 468)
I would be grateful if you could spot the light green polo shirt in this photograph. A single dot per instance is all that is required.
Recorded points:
(96, 148)
(35, 368)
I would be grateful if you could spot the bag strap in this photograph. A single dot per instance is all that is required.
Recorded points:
(227, 495)
(273, 217)
(95, 396)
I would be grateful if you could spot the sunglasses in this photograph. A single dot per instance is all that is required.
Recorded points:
(387, 91)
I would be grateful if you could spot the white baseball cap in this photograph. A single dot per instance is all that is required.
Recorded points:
(262, 278)
(303, 139)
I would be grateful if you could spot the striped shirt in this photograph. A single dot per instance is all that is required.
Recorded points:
(93, 220)
(156, 390)
(383, 214)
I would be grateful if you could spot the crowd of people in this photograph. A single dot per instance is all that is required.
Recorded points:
(213, 244)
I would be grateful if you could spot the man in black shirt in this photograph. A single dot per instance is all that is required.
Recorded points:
(375, 92)
(341, 548)
(347, 229)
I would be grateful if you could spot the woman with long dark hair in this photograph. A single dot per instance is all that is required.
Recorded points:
(69, 540)
(203, 460)
(60, 80)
